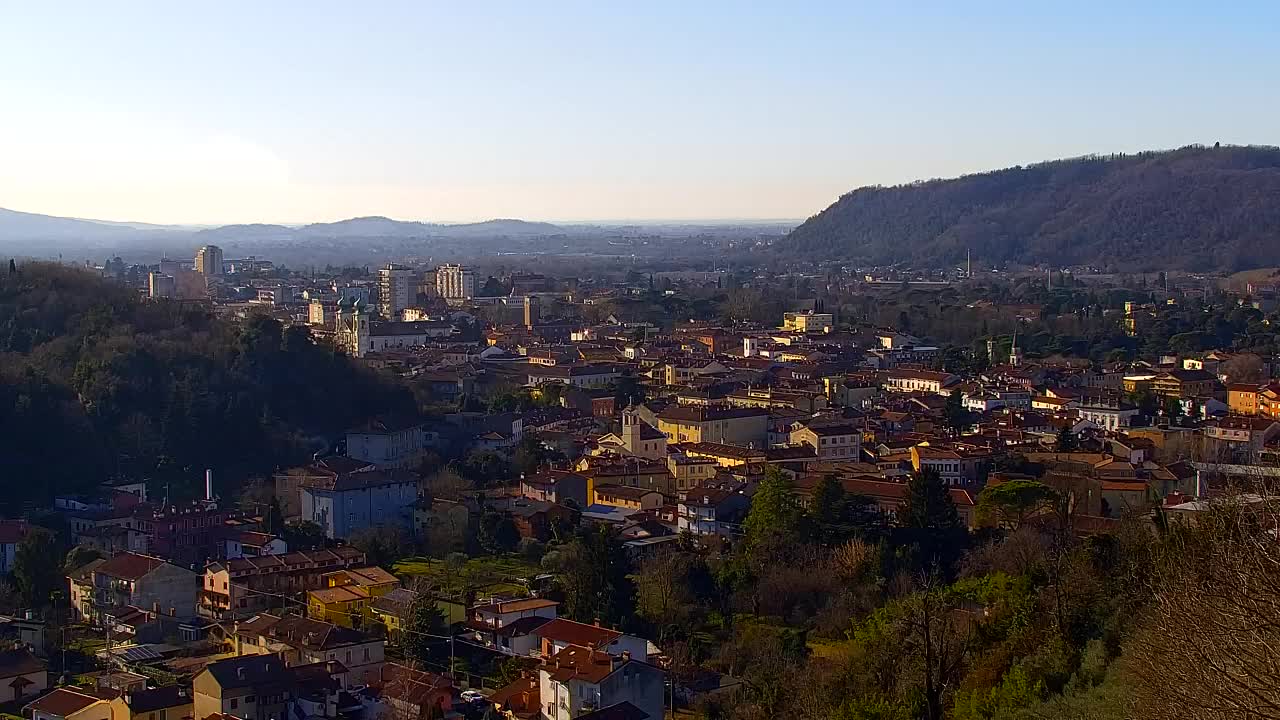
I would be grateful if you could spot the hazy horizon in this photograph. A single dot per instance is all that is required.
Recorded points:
(298, 113)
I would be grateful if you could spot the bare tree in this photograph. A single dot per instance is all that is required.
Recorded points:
(939, 636)
(1210, 646)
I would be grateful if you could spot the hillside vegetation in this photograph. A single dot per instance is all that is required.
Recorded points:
(102, 384)
(1195, 208)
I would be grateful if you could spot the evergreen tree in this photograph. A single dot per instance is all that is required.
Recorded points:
(423, 620)
(273, 520)
(36, 567)
(774, 509)
(1066, 440)
(957, 415)
(928, 505)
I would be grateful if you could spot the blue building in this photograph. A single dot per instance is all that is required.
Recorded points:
(354, 501)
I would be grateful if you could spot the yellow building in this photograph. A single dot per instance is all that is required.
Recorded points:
(1242, 399)
(726, 456)
(688, 471)
(733, 426)
(807, 322)
(347, 594)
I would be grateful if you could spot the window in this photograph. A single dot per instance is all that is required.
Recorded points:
(234, 703)
(348, 657)
(366, 654)
(250, 699)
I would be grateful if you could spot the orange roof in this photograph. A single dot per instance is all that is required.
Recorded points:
(569, 632)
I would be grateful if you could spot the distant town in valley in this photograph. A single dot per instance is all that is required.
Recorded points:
(605, 486)
(639, 361)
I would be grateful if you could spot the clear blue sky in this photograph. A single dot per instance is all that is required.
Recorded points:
(302, 111)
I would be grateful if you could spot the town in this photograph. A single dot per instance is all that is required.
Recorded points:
(635, 494)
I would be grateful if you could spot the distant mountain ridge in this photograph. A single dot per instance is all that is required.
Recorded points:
(1196, 208)
(21, 225)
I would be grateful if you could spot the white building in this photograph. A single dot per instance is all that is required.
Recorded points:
(358, 336)
(388, 444)
(455, 282)
(395, 290)
(578, 680)
(1110, 415)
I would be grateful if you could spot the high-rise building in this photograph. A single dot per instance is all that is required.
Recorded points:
(395, 290)
(532, 316)
(160, 285)
(455, 281)
(209, 261)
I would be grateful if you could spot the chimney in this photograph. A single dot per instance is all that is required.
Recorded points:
(240, 672)
(208, 485)
(331, 667)
(626, 656)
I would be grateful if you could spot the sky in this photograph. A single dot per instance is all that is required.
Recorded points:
(456, 111)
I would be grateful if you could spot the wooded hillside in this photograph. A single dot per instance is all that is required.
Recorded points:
(1195, 208)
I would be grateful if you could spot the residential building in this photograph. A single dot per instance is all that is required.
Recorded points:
(139, 581)
(22, 675)
(388, 443)
(711, 511)
(808, 322)
(258, 687)
(243, 586)
(1184, 384)
(511, 626)
(831, 441)
(303, 641)
(455, 282)
(170, 702)
(577, 375)
(414, 693)
(397, 289)
(955, 468)
(246, 543)
(67, 703)
(359, 500)
(519, 700)
(345, 599)
(926, 381)
(11, 534)
(209, 261)
(562, 633)
(332, 469)
(578, 681)
(555, 486)
(1242, 398)
(1239, 438)
(698, 424)
(1107, 413)
(627, 498)
(688, 471)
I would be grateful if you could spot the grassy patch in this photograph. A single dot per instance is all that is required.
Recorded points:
(484, 575)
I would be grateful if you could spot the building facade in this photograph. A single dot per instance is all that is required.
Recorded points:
(396, 290)
(455, 282)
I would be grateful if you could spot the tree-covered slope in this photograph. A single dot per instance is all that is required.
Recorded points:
(1195, 208)
(95, 383)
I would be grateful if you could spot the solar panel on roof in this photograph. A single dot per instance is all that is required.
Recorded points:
(141, 653)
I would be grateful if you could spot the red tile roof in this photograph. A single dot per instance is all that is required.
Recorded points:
(129, 566)
(569, 632)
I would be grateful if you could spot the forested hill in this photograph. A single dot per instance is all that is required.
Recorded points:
(1195, 208)
(95, 383)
